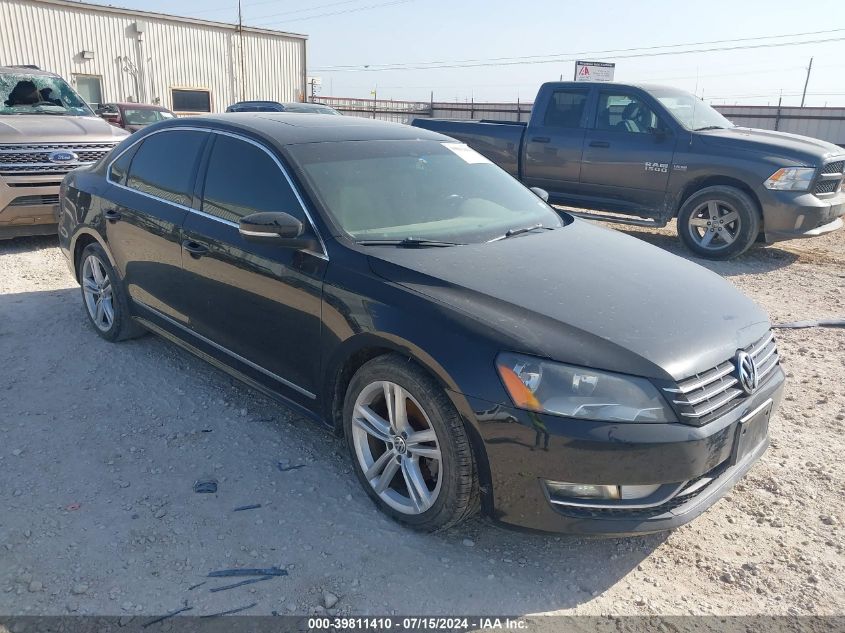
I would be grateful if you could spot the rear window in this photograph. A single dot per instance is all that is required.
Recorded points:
(566, 109)
(165, 165)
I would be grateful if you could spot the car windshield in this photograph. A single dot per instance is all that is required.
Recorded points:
(422, 190)
(24, 93)
(144, 116)
(690, 111)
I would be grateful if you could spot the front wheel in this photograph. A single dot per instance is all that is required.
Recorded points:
(719, 222)
(409, 447)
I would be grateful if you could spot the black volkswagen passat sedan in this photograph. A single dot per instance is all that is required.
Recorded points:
(477, 349)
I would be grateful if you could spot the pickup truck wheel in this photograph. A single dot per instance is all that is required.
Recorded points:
(718, 222)
(408, 445)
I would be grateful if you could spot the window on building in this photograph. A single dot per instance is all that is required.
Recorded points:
(90, 88)
(165, 165)
(566, 109)
(190, 100)
(243, 179)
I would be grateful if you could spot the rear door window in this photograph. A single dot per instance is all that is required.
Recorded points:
(566, 109)
(166, 164)
(119, 168)
(242, 179)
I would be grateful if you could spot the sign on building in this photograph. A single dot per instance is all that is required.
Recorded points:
(594, 71)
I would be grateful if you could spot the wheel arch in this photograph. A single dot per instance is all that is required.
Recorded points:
(694, 186)
(362, 348)
(81, 240)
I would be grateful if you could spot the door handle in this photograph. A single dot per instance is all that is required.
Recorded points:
(599, 144)
(111, 215)
(541, 139)
(196, 249)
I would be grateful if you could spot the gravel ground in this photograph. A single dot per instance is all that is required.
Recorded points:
(101, 444)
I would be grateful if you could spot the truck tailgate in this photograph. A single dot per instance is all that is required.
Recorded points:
(500, 141)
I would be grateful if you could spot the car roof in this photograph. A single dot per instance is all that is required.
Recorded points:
(293, 128)
(139, 106)
(26, 70)
(613, 84)
(256, 102)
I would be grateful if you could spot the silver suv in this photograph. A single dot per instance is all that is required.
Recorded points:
(46, 130)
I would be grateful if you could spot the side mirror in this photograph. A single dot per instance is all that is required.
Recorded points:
(111, 117)
(276, 227)
(540, 193)
(659, 133)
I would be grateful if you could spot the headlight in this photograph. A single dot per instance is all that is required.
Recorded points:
(791, 179)
(578, 392)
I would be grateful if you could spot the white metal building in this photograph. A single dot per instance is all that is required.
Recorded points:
(190, 66)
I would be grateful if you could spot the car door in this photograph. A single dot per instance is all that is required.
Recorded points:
(552, 154)
(259, 303)
(628, 154)
(152, 191)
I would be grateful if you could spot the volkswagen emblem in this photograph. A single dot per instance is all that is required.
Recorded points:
(62, 156)
(746, 372)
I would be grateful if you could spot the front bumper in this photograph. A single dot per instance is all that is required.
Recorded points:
(523, 450)
(789, 215)
(28, 205)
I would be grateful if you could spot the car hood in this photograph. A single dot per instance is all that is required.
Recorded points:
(801, 150)
(53, 128)
(586, 295)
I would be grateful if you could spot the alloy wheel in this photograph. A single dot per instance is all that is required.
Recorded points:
(96, 287)
(397, 447)
(714, 225)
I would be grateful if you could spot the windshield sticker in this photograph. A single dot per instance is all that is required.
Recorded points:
(465, 152)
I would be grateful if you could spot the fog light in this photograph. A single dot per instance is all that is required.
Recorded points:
(597, 491)
(583, 491)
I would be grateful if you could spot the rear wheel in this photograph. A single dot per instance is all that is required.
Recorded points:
(409, 447)
(104, 297)
(719, 222)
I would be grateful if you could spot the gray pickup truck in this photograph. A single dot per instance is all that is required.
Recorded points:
(639, 154)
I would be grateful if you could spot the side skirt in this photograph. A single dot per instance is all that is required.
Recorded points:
(275, 395)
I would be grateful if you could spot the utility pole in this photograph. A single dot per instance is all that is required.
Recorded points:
(241, 47)
(806, 81)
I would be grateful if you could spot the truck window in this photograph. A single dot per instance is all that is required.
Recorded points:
(625, 113)
(566, 109)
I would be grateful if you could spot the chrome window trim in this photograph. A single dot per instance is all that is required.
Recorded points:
(324, 255)
(225, 350)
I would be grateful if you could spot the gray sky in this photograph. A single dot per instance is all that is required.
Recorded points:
(498, 33)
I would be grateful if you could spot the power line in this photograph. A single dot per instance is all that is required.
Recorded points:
(261, 2)
(564, 57)
(323, 15)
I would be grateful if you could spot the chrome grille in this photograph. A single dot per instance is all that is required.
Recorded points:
(826, 186)
(708, 394)
(833, 168)
(22, 159)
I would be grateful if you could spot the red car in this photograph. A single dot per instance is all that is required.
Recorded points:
(133, 116)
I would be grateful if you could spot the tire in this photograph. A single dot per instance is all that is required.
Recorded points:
(719, 222)
(376, 442)
(104, 297)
